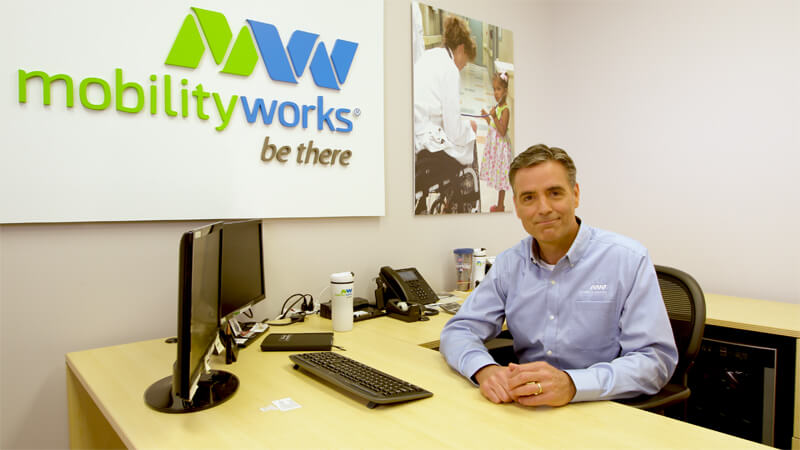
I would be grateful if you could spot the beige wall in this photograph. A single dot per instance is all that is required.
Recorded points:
(660, 103)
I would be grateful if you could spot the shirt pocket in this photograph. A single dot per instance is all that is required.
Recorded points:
(596, 325)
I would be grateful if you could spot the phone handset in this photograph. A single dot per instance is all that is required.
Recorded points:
(393, 284)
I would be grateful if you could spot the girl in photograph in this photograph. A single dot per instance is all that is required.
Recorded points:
(497, 153)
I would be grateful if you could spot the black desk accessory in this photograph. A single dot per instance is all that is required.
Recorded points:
(297, 341)
(362, 310)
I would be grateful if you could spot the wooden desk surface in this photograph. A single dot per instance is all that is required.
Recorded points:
(113, 380)
(753, 315)
(424, 333)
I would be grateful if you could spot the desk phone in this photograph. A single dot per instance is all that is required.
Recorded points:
(407, 285)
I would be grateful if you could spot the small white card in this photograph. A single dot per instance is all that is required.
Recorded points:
(284, 404)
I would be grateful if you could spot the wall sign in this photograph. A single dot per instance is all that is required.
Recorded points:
(191, 110)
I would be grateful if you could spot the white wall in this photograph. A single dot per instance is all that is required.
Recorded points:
(659, 102)
(683, 117)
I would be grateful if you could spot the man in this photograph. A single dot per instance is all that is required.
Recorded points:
(582, 304)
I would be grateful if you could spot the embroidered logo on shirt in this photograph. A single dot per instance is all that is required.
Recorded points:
(596, 291)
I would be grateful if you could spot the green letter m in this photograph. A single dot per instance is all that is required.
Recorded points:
(188, 48)
(46, 80)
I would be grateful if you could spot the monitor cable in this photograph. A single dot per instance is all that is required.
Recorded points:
(306, 307)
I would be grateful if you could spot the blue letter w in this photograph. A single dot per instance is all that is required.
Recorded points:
(327, 71)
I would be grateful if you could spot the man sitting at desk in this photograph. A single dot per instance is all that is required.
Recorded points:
(582, 304)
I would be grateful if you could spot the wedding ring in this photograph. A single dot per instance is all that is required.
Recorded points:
(540, 387)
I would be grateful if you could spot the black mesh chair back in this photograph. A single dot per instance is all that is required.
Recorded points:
(686, 307)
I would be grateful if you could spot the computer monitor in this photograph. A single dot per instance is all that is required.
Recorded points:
(191, 387)
(242, 283)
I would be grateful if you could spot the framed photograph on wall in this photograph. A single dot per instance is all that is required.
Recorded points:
(463, 113)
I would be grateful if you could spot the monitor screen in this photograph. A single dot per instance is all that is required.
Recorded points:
(199, 271)
(198, 300)
(242, 282)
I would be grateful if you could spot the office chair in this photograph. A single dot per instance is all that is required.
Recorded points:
(501, 348)
(686, 307)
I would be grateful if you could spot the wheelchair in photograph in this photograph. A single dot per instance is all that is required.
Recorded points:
(445, 186)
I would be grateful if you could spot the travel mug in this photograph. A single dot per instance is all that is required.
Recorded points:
(342, 301)
(463, 259)
(478, 266)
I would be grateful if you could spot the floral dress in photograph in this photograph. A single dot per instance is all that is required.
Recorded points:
(496, 156)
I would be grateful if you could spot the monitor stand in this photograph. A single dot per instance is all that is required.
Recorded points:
(228, 341)
(214, 388)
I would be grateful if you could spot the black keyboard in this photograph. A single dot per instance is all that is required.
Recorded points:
(360, 379)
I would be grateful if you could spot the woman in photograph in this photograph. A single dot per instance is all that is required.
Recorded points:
(443, 140)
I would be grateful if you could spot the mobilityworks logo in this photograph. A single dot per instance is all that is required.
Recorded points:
(237, 57)
(327, 71)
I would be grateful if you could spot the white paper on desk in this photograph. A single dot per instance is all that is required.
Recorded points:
(284, 404)
(259, 327)
(255, 329)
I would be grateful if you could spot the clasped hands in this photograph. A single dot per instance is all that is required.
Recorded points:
(530, 384)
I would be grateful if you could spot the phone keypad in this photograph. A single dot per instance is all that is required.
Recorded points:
(422, 294)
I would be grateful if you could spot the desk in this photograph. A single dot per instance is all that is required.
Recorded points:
(761, 316)
(749, 314)
(105, 390)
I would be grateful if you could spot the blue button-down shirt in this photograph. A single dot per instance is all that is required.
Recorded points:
(598, 315)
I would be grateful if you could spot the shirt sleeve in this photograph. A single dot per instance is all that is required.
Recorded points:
(648, 354)
(458, 130)
(479, 319)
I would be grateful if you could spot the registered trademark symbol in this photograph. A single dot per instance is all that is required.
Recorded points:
(357, 112)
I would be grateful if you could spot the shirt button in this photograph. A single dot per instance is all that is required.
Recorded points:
(552, 317)
(549, 352)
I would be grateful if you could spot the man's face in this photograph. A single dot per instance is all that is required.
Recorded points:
(545, 203)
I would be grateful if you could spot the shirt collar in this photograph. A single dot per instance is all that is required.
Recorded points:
(575, 252)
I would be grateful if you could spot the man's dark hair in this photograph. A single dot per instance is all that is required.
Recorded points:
(538, 154)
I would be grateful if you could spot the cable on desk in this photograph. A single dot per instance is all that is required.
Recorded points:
(299, 317)
(306, 307)
(285, 310)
